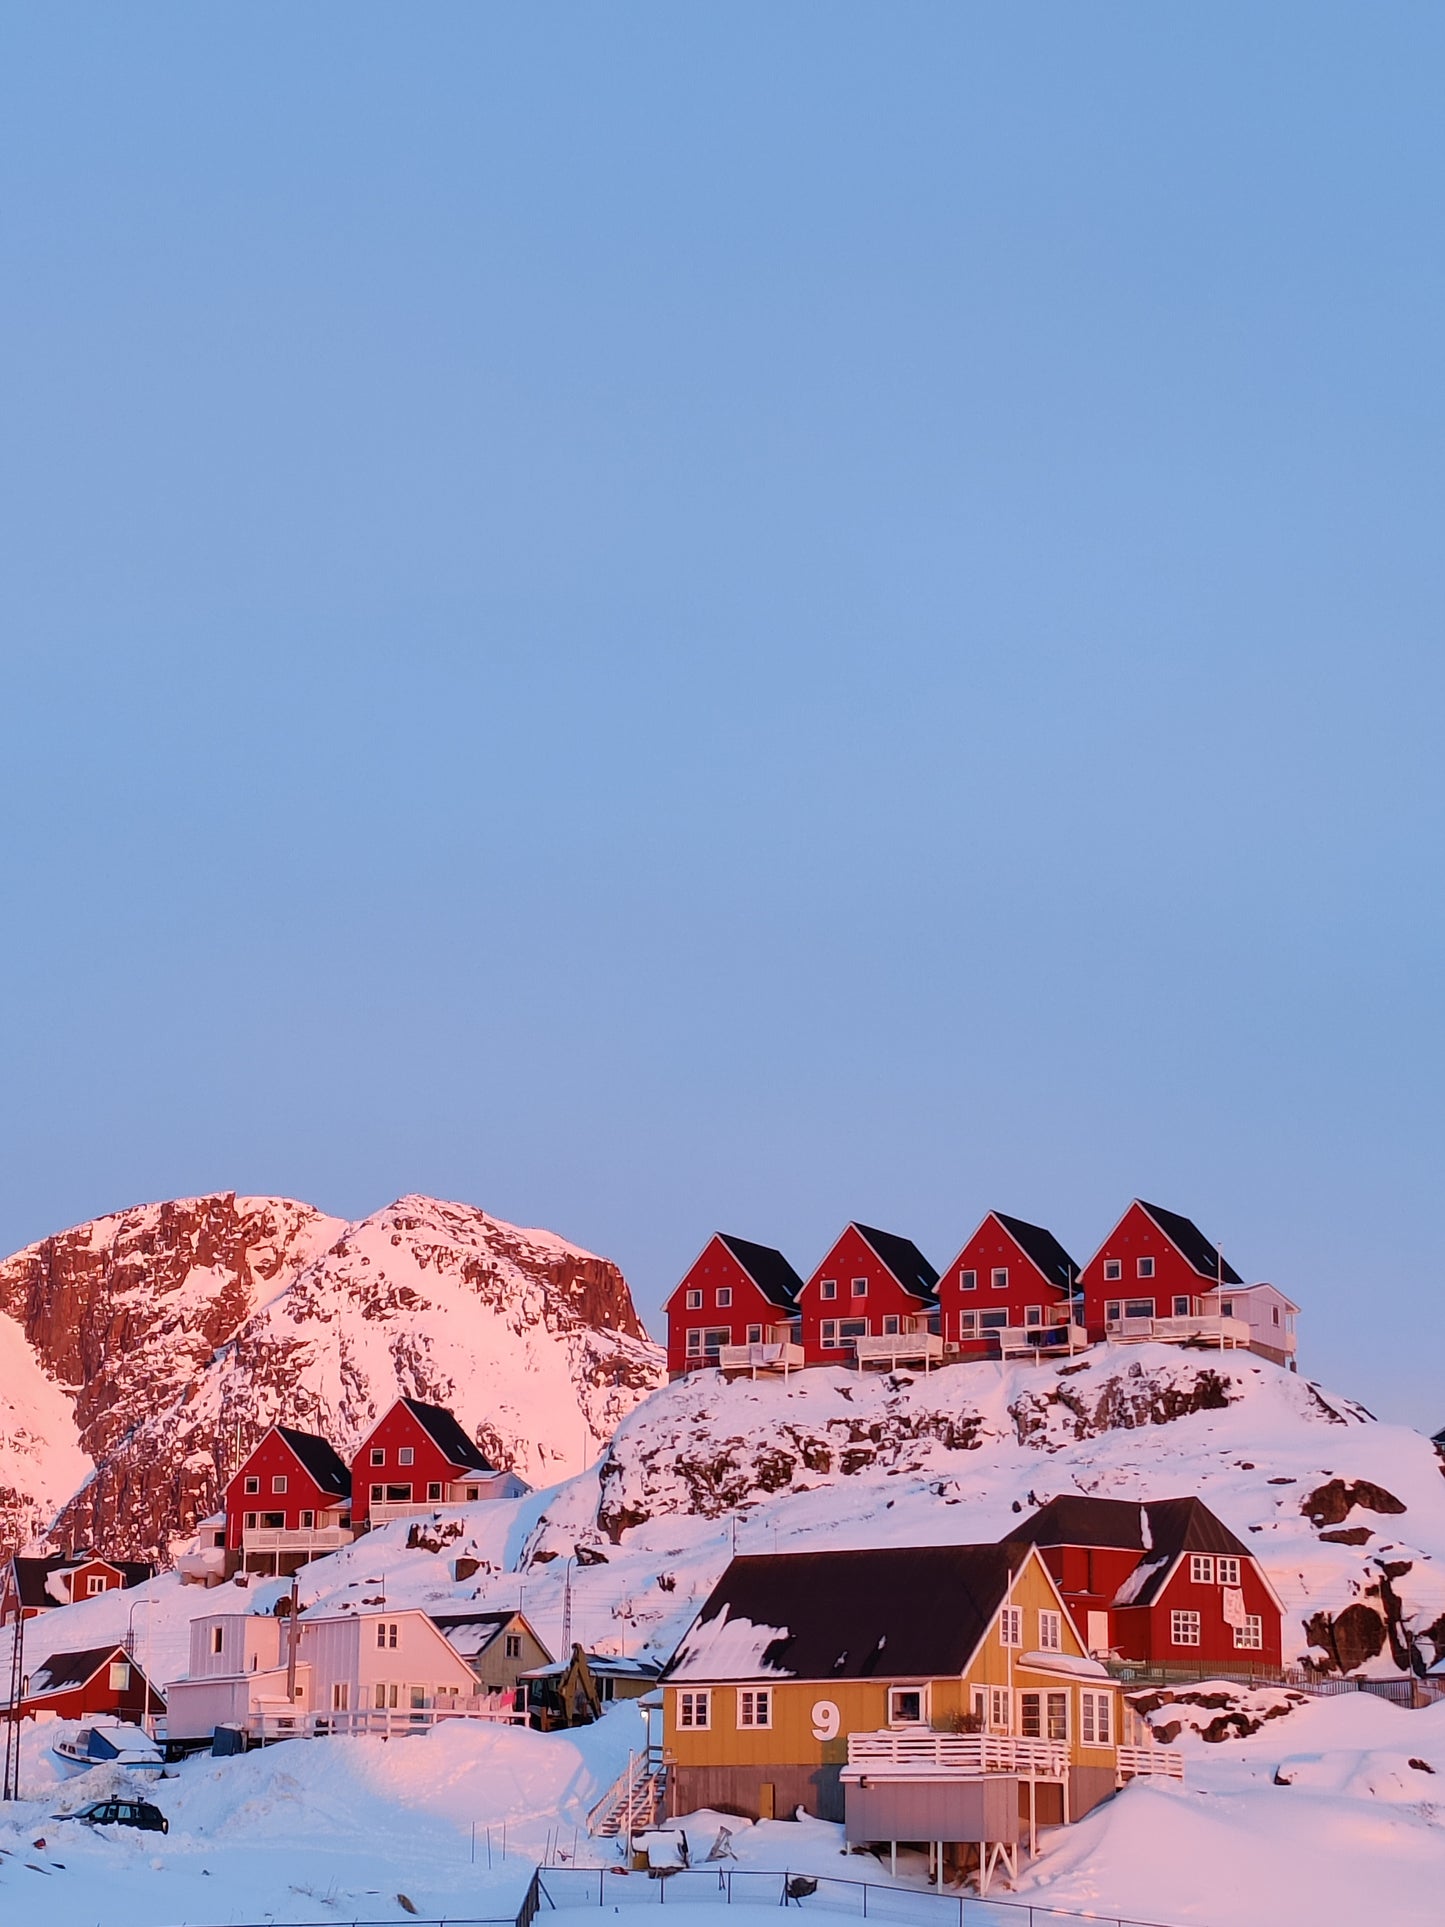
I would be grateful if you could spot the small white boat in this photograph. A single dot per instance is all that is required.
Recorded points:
(108, 1743)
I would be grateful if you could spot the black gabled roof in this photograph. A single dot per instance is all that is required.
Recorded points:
(903, 1259)
(1159, 1529)
(1192, 1244)
(320, 1460)
(1044, 1249)
(31, 1574)
(769, 1270)
(897, 1612)
(64, 1670)
(447, 1436)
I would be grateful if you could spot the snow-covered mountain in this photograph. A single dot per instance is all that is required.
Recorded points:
(141, 1353)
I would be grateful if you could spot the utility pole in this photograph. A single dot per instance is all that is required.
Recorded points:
(10, 1790)
(567, 1610)
(291, 1639)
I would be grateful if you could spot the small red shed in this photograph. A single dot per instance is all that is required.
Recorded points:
(734, 1293)
(417, 1457)
(1011, 1276)
(872, 1283)
(1164, 1582)
(1153, 1264)
(79, 1685)
(288, 1502)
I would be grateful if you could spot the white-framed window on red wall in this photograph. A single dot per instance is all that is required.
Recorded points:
(1226, 1569)
(724, 1297)
(998, 1278)
(694, 1300)
(1113, 1270)
(1183, 1628)
(1249, 1638)
(968, 1281)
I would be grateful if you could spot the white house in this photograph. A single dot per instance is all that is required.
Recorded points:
(1268, 1313)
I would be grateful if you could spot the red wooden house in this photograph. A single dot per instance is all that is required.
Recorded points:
(289, 1502)
(1010, 1290)
(417, 1457)
(734, 1293)
(60, 1579)
(1153, 1266)
(79, 1685)
(872, 1284)
(1165, 1582)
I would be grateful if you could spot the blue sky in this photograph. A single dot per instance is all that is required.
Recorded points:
(674, 618)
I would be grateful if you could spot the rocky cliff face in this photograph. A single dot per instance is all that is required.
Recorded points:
(178, 1332)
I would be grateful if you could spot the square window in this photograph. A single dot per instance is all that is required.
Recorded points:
(1201, 1568)
(1113, 1270)
(378, 1455)
(968, 1281)
(859, 1288)
(1249, 1638)
(694, 1301)
(967, 1323)
(755, 1334)
(998, 1278)
(1226, 1570)
(755, 1706)
(1184, 1628)
(1144, 1268)
(278, 1483)
(724, 1297)
(406, 1455)
(1181, 1307)
(253, 1485)
(1033, 1314)
(1011, 1626)
(891, 1325)
(905, 1706)
(830, 1334)
(1113, 1311)
(1051, 1632)
(828, 1288)
(695, 1710)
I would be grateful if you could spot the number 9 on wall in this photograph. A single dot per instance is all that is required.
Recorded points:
(826, 1720)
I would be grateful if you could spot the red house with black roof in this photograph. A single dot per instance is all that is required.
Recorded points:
(97, 1679)
(734, 1293)
(35, 1586)
(871, 1284)
(1164, 1582)
(416, 1458)
(1154, 1264)
(288, 1502)
(1011, 1288)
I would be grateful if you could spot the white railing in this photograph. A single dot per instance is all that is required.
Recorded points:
(633, 1801)
(381, 1511)
(961, 1753)
(312, 1539)
(891, 1348)
(765, 1357)
(1230, 1334)
(388, 1722)
(1150, 1762)
(1029, 1341)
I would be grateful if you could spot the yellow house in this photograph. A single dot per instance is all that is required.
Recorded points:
(935, 1694)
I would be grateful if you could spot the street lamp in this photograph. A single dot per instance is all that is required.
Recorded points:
(130, 1648)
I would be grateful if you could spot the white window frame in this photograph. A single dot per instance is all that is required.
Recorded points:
(1096, 1718)
(340, 1695)
(858, 1288)
(828, 1288)
(693, 1301)
(1139, 1305)
(694, 1341)
(1249, 1638)
(1113, 1271)
(755, 1708)
(694, 1710)
(1184, 1628)
(406, 1455)
(755, 1334)
(252, 1486)
(1051, 1631)
(828, 1336)
(967, 1279)
(724, 1297)
(278, 1482)
(892, 1325)
(95, 1584)
(921, 1693)
(967, 1324)
(1113, 1310)
(1180, 1302)
(1201, 1568)
(378, 1455)
(1226, 1569)
(844, 1334)
(511, 1645)
(119, 1675)
(1033, 1316)
(1011, 1626)
(998, 1278)
(1143, 1267)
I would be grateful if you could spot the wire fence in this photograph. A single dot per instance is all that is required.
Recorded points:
(571, 1887)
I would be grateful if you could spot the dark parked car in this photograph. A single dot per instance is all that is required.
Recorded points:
(121, 1813)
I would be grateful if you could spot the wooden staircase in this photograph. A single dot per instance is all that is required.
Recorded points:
(635, 1800)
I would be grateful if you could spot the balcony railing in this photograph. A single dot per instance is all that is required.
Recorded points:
(1040, 1341)
(898, 1348)
(1150, 1762)
(765, 1357)
(315, 1540)
(1229, 1334)
(922, 1754)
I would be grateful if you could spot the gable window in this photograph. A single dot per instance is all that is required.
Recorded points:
(906, 1706)
(891, 1325)
(968, 1281)
(1113, 1270)
(695, 1710)
(278, 1483)
(95, 1583)
(119, 1676)
(252, 1485)
(1226, 1570)
(828, 1288)
(859, 1288)
(1183, 1628)
(1181, 1307)
(1011, 1626)
(1201, 1568)
(1144, 1268)
(755, 1706)
(1051, 1632)
(378, 1455)
(998, 1278)
(1138, 1307)
(724, 1297)
(1033, 1315)
(1249, 1638)
(406, 1455)
(386, 1634)
(694, 1301)
(513, 1645)
(1096, 1719)
(755, 1334)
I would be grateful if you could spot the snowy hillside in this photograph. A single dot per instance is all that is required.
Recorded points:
(154, 1345)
